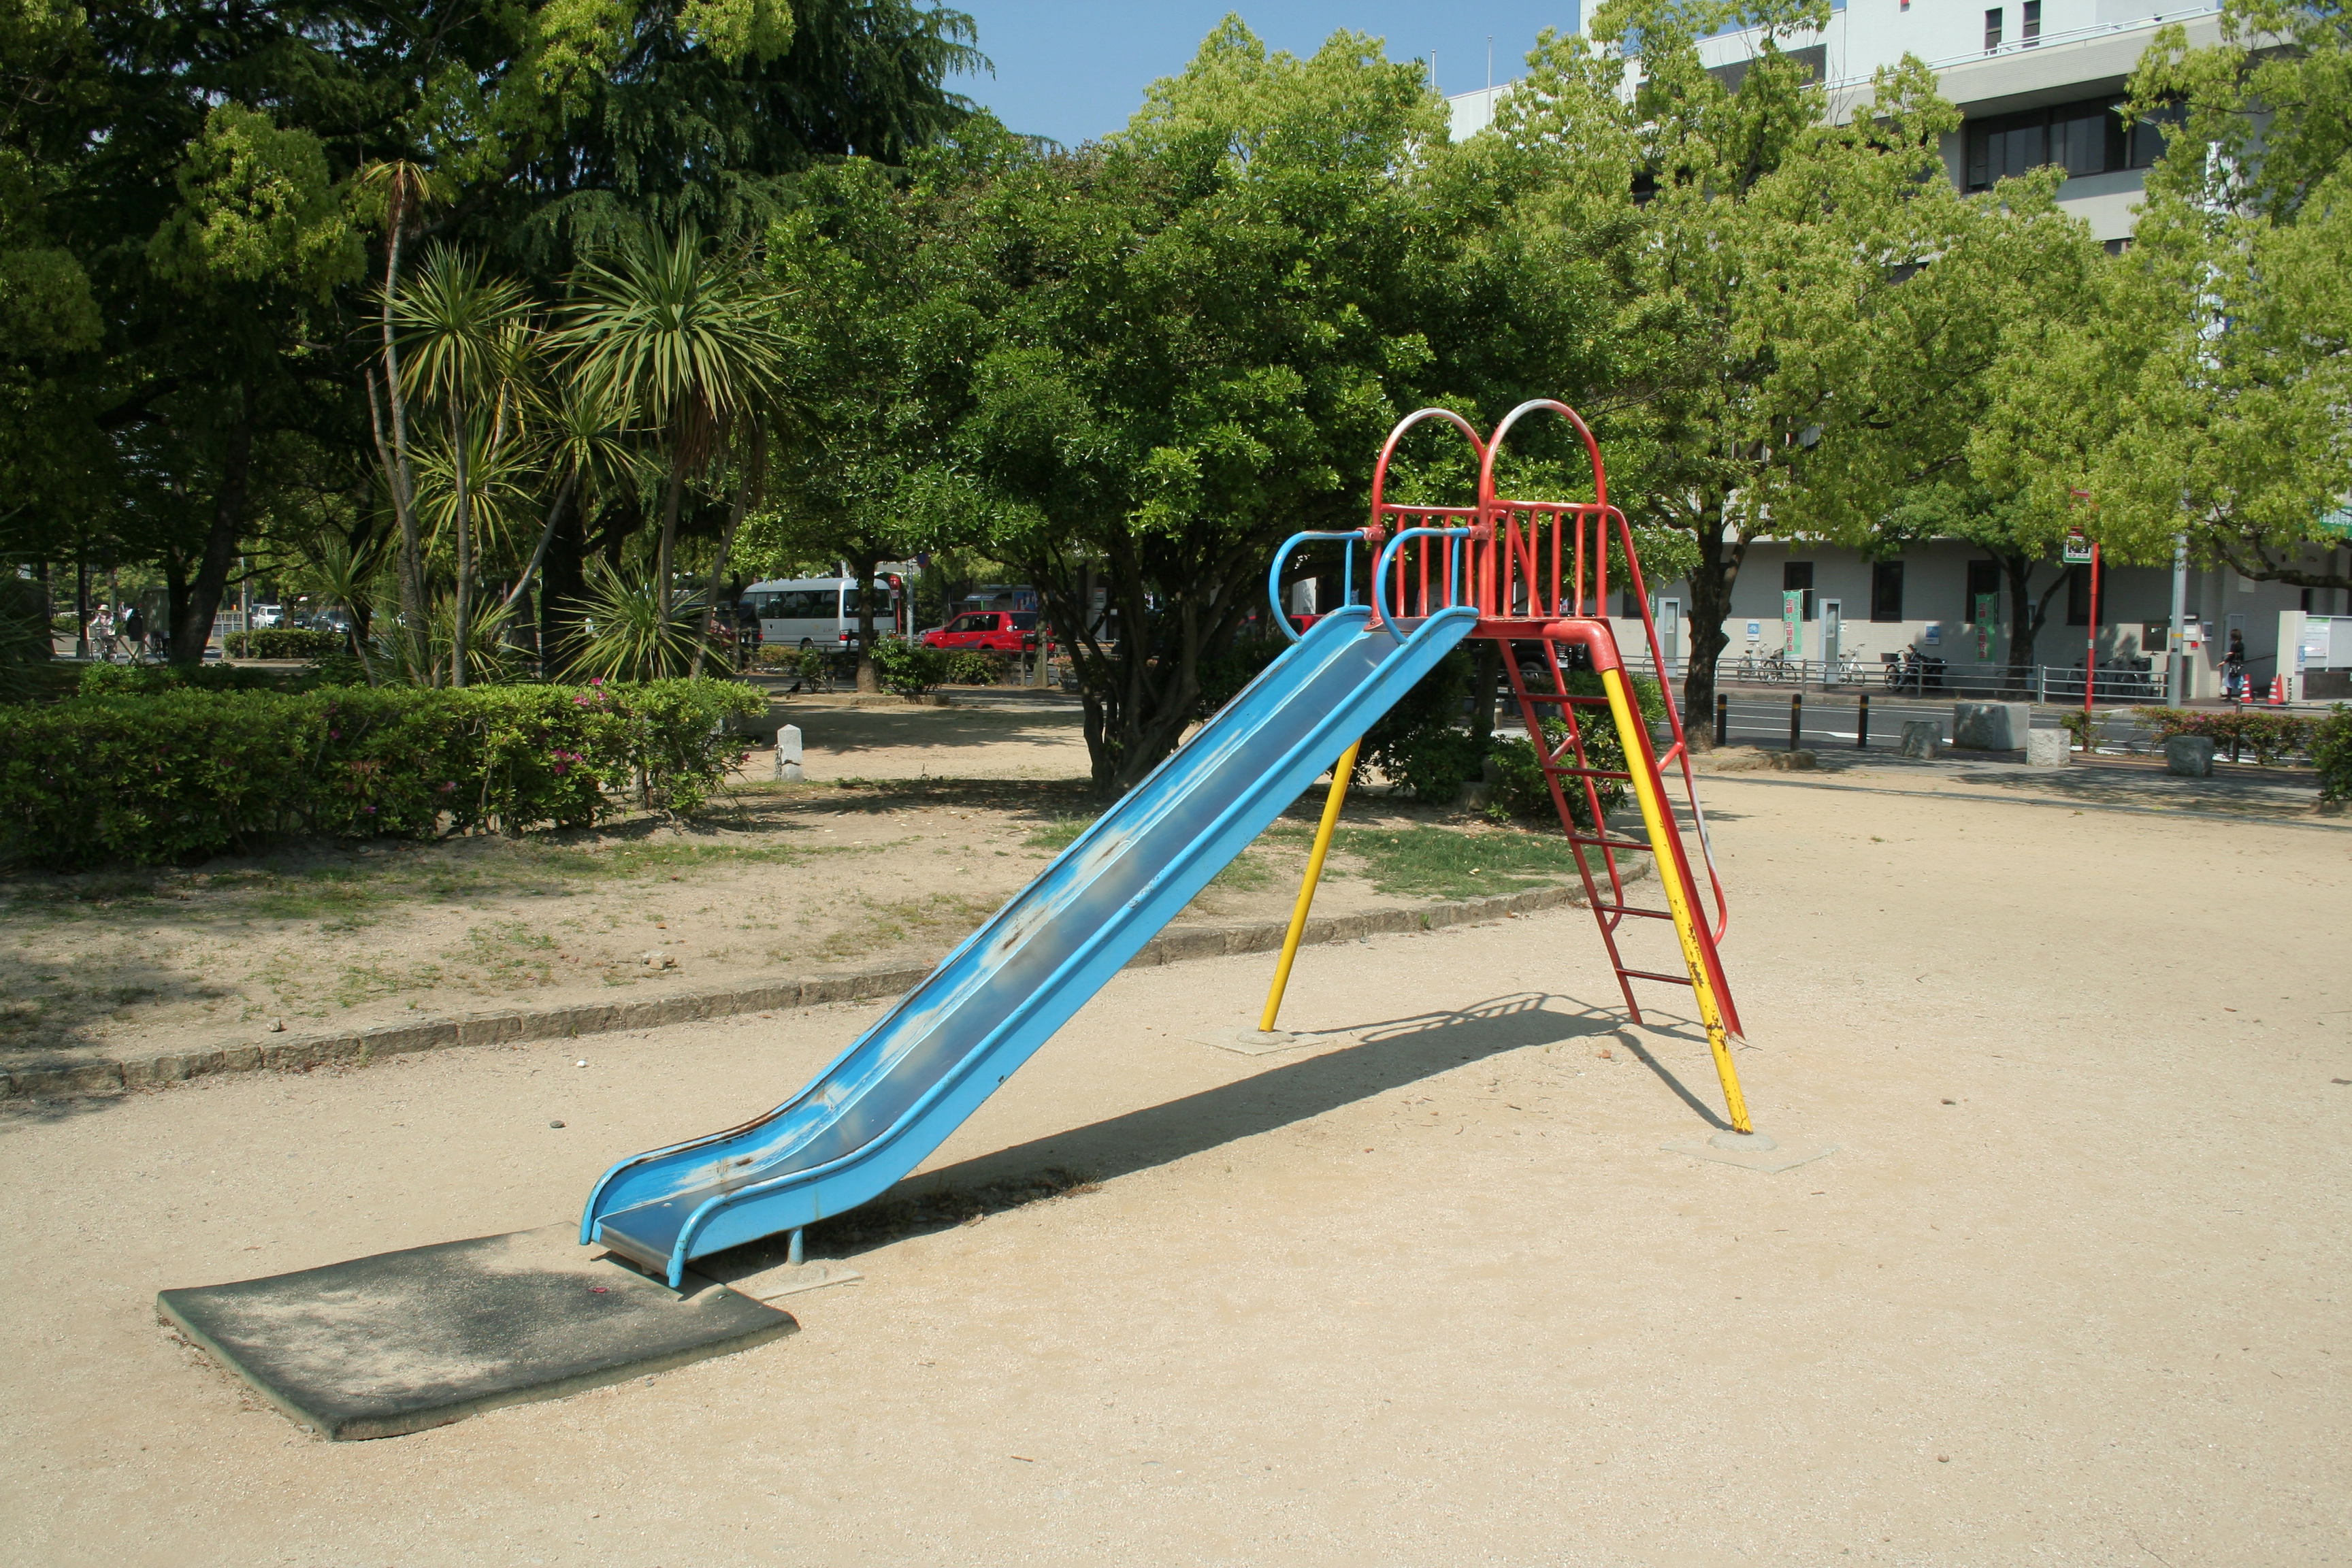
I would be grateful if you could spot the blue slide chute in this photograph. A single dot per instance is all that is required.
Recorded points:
(898, 1092)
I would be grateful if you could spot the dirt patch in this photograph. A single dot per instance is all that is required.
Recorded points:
(803, 880)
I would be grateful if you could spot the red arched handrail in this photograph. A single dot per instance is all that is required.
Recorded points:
(1494, 447)
(1389, 447)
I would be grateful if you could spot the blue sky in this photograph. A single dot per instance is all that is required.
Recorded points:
(1071, 70)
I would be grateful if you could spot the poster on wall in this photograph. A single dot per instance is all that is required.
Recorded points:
(1793, 621)
(1987, 605)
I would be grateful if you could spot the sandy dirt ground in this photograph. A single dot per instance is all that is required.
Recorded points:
(945, 813)
(2070, 1289)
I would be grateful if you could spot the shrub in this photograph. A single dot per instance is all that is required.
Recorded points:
(165, 774)
(284, 642)
(2270, 736)
(1520, 789)
(909, 668)
(1419, 744)
(2331, 753)
(974, 669)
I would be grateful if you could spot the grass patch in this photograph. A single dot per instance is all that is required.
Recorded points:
(885, 924)
(1443, 862)
(1060, 832)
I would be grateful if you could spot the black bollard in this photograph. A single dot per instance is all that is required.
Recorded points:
(1722, 720)
(1862, 725)
(1795, 720)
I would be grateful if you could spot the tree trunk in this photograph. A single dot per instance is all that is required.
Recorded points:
(745, 485)
(192, 613)
(461, 639)
(863, 566)
(667, 544)
(562, 584)
(1711, 582)
(1485, 679)
(2027, 615)
(400, 474)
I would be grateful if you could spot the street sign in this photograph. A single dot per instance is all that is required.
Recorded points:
(2078, 548)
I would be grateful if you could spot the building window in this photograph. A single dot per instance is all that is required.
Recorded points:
(2086, 137)
(1984, 578)
(2078, 595)
(2033, 23)
(1798, 575)
(1886, 590)
(1992, 29)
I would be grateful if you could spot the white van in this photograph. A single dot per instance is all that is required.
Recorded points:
(818, 612)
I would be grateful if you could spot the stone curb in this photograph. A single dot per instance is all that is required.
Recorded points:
(358, 1049)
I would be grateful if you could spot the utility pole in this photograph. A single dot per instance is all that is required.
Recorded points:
(2176, 672)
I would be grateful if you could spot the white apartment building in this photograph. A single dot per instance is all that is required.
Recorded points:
(2036, 82)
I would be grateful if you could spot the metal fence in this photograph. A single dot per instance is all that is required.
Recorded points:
(2130, 681)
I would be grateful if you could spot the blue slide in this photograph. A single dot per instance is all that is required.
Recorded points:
(896, 1094)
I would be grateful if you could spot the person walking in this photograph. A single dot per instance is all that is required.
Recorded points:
(2233, 669)
(101, 633)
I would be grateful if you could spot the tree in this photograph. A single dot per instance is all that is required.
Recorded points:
(688, 340)
(184, 219)
(467, 334)
(2229, 344)
(1788, 348)
(1197, 348)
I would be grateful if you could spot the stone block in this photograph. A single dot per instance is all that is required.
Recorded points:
(1991, 726)
(2191, 756)
(1920, 736)
(2047, 748)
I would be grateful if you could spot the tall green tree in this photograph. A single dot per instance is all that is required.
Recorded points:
(1199, 347)
(2228, 348)
(688, 338)
(1789, 350)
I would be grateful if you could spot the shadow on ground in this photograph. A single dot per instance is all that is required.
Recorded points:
(1392, 1054)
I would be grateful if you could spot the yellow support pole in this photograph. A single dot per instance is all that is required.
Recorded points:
(1661, 824)
(1342, 771)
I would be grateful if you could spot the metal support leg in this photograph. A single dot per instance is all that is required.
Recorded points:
(1342, 771)
(1656, 818)
(792, 1250)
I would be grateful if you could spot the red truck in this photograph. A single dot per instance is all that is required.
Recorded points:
(987, 631)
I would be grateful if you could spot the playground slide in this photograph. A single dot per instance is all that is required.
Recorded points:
(896, 1094)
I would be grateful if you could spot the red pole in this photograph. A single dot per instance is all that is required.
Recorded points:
(2091, 654)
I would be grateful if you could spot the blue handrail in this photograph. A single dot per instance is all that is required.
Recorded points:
(1274, 577)
(1461, 581)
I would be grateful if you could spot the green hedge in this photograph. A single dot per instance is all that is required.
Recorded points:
(283, 642)
(185, 774)
(2269, 736)
(909, 668)
(1520, 787)
(2331, 753)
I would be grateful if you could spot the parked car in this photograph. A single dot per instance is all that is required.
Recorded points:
(987, 631)
(268, 615)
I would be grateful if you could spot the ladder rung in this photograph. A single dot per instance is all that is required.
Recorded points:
(1606, 843)
(1591, 772)
(1645, 975)
(1629, 909)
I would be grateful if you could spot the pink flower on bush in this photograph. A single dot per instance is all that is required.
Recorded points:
(335, 734)
(449, 788)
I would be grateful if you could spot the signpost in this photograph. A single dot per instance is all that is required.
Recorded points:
(2080, 550)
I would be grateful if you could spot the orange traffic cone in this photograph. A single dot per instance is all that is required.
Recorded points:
(2278, 690)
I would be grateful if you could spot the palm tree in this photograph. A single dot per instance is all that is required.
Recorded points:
(406, 189)
(688, 340)
(467, 336)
